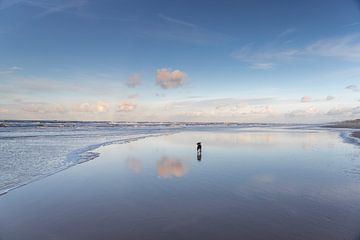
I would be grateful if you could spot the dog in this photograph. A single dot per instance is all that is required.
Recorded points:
(198, 147)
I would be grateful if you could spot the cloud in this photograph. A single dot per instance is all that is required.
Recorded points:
(132, 96)
(346, 47)
(21, 86)
(29, 86)
(160, 94)
(173, 29)
(47, 6)
(352, 24)
(223, 103)
(353, 88)
(329, 98)
(43, 108)
(264, 57)
(262, 66)
(306, 99)
(287, 32)
(223, 109)
(135, 165)
(167, 79)
(126, 107)
(347, 111)
(134, 81)
(4, 110)
(99, 107)
(261, 110)
(176, 21)
(310, 111)
(10, 70)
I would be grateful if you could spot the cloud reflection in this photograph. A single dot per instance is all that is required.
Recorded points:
(169, 167)
(135, 165)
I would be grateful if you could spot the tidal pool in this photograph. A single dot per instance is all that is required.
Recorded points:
(247, 184)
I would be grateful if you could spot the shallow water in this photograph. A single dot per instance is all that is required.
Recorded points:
(31, 150)
(248, 184)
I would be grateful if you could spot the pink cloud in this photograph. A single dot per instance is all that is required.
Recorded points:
(306, 99)
(167, 79)
(126, 107)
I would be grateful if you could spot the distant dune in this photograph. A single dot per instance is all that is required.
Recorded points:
(355, 124)
(346, 124)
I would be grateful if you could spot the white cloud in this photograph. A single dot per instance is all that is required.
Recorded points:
(9, 70)
(225, 109)
(346, 48)
(262, 66)
(43, 108)
(174, 29)
(176, 21)
(306, 99)
(47, 6)
(342, 48)
(352, 24)
(353, 88)
(287, 32)
(99, 107)
(346, 111)
(4, 110)
(132, 96)
(261, 110)
(134, 81)
(21, 86)
(329, 98)
(167, 79)
(263, 58)
(126, 107)
(308, 112)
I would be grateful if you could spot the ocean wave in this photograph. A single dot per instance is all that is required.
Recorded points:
(348, 138)
(75, 157)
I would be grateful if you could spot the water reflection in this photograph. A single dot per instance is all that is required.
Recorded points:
(169, 167)
(198, 151)
(199, 156)
(270, 187)
(135, 165)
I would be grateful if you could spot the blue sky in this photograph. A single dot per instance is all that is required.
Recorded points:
(237, 61)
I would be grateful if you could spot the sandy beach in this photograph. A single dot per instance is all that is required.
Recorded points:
(174, 120)
(291, 184)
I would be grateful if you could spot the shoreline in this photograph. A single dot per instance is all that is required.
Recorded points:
(356, 134)
(88, 153)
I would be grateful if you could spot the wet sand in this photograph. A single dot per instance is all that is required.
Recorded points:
(246, 185)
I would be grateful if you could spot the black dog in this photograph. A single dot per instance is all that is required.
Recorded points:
(199, 146)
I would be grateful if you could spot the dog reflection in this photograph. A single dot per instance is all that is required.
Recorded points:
(199, 156)
(198, 150)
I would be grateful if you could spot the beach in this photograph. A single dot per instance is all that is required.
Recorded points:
(249, 183)
(173, 120)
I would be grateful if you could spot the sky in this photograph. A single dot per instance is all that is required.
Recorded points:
(285, 61)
